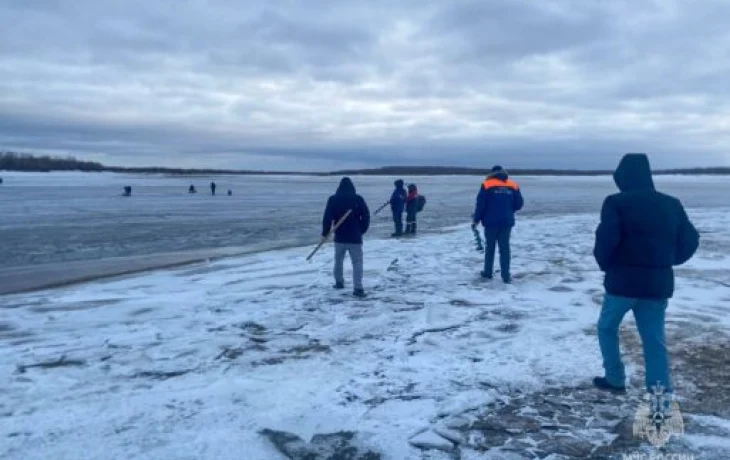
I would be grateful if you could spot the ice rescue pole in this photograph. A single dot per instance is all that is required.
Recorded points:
(381, 208)
(332, 230)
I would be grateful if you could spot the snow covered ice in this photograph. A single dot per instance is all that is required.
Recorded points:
(257, 358)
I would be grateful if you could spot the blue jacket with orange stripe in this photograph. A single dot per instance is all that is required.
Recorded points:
(498, 200)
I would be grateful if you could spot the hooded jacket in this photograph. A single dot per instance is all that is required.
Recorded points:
(642, 235)
(357, 223)
(398, 198)
(498, 199)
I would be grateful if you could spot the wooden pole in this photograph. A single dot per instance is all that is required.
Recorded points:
(332, 230)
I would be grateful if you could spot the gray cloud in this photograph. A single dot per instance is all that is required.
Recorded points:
(330, 84)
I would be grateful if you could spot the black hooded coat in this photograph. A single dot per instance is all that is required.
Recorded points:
(357, 224)
(643, 234)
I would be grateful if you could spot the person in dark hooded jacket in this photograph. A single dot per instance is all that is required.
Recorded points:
(348, 237)
(498, 199)
(398, 205)
(643, 234)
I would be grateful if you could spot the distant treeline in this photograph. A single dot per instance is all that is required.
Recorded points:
(24, 162)
(461, 171)
(10, 161)
(454, 171)
(192, 172)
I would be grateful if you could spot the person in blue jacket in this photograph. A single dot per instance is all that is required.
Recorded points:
(348, 237)
(398, 205)
(498, 199)
(643, 234)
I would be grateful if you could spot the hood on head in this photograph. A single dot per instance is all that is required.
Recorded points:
(633, 173)
(346, 187)
(412, 188)
(399, 183)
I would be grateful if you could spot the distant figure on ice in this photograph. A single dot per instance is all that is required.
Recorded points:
(398, 205)
(230, 192)
(127, 191)
(212, 188)
(642, 235)
(498, 199)
(1, 180)
(348, 237)
(414, 205)
(192, 189)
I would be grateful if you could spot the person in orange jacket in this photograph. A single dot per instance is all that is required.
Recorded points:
(498, 199)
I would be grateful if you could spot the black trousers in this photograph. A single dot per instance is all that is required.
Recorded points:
(411, 223)
(398, 220)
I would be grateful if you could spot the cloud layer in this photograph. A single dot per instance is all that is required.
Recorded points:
(322, 84)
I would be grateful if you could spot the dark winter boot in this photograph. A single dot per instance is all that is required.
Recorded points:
(398, 226)
(486, 276)
(414, 226)
(602, 384)
(359, 293)
(339, 285)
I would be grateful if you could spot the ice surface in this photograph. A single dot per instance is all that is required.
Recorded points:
(64, 226)
(196, 362)
(431, 440)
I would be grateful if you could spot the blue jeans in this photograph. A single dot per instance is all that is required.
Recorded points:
(497, 236)
(649, 315)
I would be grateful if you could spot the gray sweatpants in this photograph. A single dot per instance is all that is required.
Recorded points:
(356, 257)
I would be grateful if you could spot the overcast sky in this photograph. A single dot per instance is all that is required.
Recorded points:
(324, 84)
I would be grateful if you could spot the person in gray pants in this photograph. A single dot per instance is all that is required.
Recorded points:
(356, 256)
(349, 235)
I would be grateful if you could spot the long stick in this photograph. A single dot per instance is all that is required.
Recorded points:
(326, 237)
(381, 208)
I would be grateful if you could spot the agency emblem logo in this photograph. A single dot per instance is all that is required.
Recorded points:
(658, 418)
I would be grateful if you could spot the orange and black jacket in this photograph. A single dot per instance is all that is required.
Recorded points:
(498, 199)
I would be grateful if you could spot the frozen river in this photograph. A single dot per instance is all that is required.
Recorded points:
(62, 227)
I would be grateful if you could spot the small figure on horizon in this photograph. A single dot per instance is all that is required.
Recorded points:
(127, 191)
(643, 234)
(398, 205)
(192, 189)
(230, 192)
(212, 188)
(348, 236)
(498, 200)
